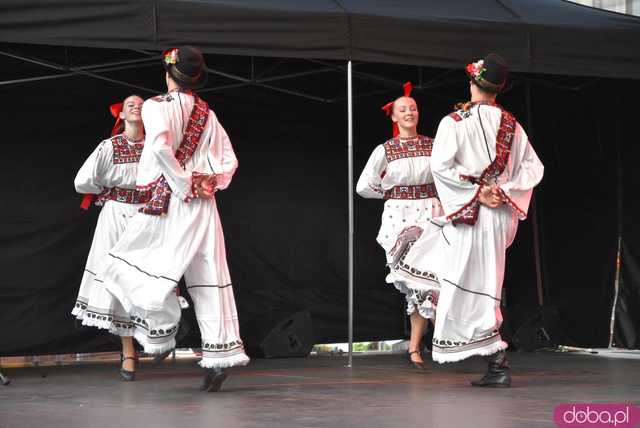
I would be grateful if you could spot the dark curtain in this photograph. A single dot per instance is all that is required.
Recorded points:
(285, 214)
(626, 333)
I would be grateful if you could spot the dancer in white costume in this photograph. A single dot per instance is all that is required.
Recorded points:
(485, 170)
(399, 172)
(110, 173)
(187, 157)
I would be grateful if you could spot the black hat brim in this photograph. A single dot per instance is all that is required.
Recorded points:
(186, 83)
(486, 85)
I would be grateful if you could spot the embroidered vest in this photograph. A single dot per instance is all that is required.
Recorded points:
(504, 139)
(160, 190)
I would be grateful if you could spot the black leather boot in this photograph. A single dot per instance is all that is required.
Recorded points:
(213, 379)
(497, 375)
(159, 358)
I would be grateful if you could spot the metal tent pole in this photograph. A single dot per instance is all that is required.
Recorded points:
(620, 209)
(350, 193)
(616, 292)
(534, 211)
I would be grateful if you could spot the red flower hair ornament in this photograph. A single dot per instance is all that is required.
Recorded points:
(388, 107)
(115, 110)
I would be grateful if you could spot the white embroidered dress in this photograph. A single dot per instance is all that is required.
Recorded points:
(110, 171)
(399, 172)
(157, 250)
(465, 249)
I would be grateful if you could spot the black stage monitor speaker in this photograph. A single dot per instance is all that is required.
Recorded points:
(536, 328)
(279, 334)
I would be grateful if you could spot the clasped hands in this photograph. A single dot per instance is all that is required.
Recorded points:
(205, 186)
(491, 196)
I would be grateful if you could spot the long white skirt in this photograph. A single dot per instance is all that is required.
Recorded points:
(95, 306)
(146, 264)
(468, 262)
(400, 215)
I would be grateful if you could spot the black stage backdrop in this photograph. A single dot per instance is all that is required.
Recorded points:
(627, 315)
(285, 214)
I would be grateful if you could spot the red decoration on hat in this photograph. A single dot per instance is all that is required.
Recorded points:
(475, 69)
(170, 56)
(388, 107)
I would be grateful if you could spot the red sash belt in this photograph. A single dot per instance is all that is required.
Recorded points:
(127, 196)
(419, 191)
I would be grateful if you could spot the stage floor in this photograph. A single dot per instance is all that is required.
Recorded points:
(379, 391)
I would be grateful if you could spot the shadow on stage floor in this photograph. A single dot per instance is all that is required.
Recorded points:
(378, 391)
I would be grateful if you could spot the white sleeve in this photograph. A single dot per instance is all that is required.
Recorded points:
(221, 157)
(89, 178)
(457, 196)
(158, 137)
(370, 182)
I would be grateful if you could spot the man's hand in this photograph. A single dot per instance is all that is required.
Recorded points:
(490, 196)
(209, 185)
(205, 186)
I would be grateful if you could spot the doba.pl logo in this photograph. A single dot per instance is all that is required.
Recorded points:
(596, 415)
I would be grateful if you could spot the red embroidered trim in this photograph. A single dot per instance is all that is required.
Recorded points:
(419, 191)
(504, 140)
(396, 148)
(521, 214)
(472, 179)
(468, 214)
(465, 112)
(455, 116)
(161, 194)
(169, 97)
(127, 196)
(158, 203)
(125, 152)
(192, 134)
(376, 189)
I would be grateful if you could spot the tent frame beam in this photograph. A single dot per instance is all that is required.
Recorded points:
(70, 74)
(81, 71)
(257, 82)
(93, 70)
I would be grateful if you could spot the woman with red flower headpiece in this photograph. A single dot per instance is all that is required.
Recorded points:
(398, 171)
(110, 174)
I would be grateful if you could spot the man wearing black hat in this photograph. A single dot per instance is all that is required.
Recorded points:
(485, 170)
(187, 157)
